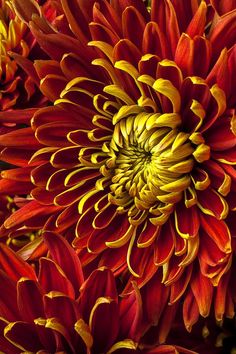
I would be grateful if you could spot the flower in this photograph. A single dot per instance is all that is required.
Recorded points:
(54, 309)
(20, 97)
(18, 88)
(136, 156)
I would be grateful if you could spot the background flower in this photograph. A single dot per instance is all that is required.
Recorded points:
(54, 309)
(20, 98)
(136, 157)
(19, 88)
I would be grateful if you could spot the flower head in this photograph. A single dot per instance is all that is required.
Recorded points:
(137, 155)
(16, 41)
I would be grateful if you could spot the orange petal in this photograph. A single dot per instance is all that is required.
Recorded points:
(203, 292)
(218, 231)
(190, 311)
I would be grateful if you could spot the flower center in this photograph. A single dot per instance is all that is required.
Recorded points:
(151, 163)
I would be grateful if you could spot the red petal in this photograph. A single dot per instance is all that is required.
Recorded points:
(10, 187)
(154, 41)
(104, 324)
(226, 156)
(232, 71)
(24, 335)
(201, 63)
(41, 174)
(29, 299)
(220, 299)
(48, 337)
(223, 7)
(52, 278)
(63, 308)
(66, 157)
(13, 265)
(218, 231)
(105, 216)
(164, 244)
(52, 85)
(126, 50)
(8, 301)
(114, 231)
(190, 311)
(27, 66)
(131, 314)
(56, 45)
(220, 72)
(18, 139)
(185, 11)
(5, 345)
(220, 180)
(186, 220)
(186, 56)
(55, 133)
(223, 33)
(179, 287)
(198, 22)
(101, 283)
(22, 116)
(203, 292)
(30, 210)
(17, 174)
(79, 14)
(114, 259)
(153, 290)
(120, 5)
(64, 255)
(163, 13)
(166, 322)
(211, 203)
(147, 234)
(102, 33)
(132, 18)
(221, 137)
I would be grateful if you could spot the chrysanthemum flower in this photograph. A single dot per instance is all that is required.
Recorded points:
(18, 89)
(54, 310)
(137, 154)
(20, 96)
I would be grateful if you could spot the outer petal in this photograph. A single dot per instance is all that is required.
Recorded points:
(63, 254)
(203, 293)
(223, 33)
(23, 335)
(29, 299)
(51, 277)
(104, 323)
(105, 287)
(13, 265)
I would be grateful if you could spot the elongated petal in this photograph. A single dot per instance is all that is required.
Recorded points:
(66, 258)
(52, 278)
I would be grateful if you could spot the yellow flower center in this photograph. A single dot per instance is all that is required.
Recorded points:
(150, 163)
